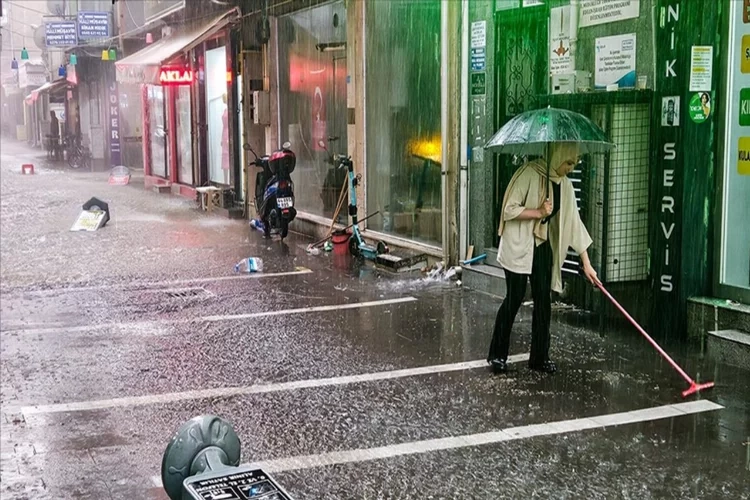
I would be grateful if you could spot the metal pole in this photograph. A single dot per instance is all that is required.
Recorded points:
(463, 222)
(444, 121)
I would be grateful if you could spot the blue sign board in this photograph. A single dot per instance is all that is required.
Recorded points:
(115, 154)
(478, 59)
(93, 25)
(60, 34)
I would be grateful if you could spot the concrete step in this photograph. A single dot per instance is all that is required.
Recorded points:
(491, 257)
(488, 279)
(484, 278)
(730, 346)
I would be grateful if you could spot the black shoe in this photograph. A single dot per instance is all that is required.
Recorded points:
(545, 367)
(498, 365)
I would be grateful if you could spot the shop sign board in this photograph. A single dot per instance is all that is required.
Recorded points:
(594, 12)
(93, 25)
(615, 61)
(60, 34)
(743, 156)
(170, 75)
(745, 107)
(113, 112)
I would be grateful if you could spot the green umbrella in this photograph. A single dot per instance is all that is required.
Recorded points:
(532, 132)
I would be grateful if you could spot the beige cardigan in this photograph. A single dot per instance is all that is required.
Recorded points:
(517, 237)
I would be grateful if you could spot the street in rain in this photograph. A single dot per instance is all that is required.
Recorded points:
(350, 249)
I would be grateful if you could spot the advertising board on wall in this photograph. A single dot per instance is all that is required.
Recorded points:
(615, 61)
(594, 12)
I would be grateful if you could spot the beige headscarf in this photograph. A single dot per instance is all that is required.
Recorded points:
(559, 153)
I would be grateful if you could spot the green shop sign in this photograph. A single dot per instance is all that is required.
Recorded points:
(745, 108)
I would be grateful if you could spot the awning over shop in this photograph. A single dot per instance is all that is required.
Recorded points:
(50, 87)
(144, 65)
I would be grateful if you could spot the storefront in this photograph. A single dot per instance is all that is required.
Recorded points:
(365, 79)
(403, 125)
(642, 203)
(733, 238)
(187, 123)
(312, 97)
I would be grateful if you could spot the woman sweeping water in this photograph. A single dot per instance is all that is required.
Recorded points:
(538, 224)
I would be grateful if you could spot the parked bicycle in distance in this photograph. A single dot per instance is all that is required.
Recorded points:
(77, 153)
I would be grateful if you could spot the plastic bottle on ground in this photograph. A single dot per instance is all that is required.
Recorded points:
(249, 265)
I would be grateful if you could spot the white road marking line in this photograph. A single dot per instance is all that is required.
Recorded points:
(224, 392)
(147, 284)
(493, 437)
(144, 325)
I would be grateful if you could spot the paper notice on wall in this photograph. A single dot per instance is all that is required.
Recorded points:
(615, 61)
(701, 68)
(559, 55)
(478, 34)
(595, 12)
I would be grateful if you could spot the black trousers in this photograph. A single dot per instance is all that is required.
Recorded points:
(541, 276)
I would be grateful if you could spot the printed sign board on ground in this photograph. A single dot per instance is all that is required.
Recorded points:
(235, 485)
(89, 220)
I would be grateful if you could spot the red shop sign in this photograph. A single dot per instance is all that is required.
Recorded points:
(170, 75)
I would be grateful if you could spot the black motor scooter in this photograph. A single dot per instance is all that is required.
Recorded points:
(274, 190)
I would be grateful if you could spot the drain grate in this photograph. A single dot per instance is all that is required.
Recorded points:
(192, 293)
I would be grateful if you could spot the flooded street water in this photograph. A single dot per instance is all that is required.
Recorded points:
(342, 381)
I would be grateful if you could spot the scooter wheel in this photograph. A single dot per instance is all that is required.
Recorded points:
(354, 246)
(383, 248)
(284, 229)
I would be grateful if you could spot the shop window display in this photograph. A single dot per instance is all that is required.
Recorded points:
(403, 145)
(312, 101)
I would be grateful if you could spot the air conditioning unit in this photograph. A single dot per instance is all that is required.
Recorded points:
(260, 107)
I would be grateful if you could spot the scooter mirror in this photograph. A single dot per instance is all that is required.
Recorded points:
(246, 147)
(286, 145)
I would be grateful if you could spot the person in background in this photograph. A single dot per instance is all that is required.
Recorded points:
(54, 135)
(538, 224)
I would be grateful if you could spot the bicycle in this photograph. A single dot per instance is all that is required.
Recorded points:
(78, 154)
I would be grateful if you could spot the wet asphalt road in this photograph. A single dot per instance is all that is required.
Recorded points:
(103, 333)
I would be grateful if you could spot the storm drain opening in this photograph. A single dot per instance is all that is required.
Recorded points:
(185, 294)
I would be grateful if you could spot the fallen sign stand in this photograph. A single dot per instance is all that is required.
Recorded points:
(119, 176)
(89, 220)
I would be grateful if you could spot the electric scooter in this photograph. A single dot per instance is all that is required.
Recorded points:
(274, 190)
(357, 245)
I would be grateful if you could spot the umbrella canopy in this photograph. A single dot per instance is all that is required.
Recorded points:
(531, 132)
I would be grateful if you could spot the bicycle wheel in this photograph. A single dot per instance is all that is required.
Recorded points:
(75, 159)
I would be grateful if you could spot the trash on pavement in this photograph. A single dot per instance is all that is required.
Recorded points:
(440, 273)
(328, 246)
(249, 265)
(257, 224)
(312, 250)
